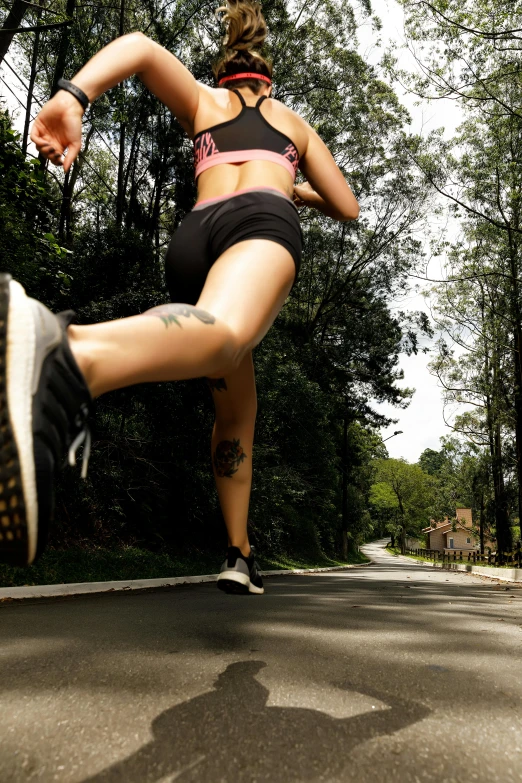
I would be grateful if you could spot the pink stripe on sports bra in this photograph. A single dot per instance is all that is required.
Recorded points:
(243, 156)
(247, 136)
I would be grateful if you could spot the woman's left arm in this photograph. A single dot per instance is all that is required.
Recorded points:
(157, 68)
(58, 125)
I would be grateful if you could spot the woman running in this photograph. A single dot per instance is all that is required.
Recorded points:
(230, 266)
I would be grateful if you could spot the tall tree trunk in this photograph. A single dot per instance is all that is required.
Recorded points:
(32, 78)
(403, 524)
(481, 523)
(501, 505)
(133, 194)
(517, 363)
(503, 531)
(130, 173)
(63, 49)
(344, 482)
(492, 400)
(61, 60)
(155, 215)
(65, 227)
(517, 395)
(11, 22)
(64, 206)
(120, 197)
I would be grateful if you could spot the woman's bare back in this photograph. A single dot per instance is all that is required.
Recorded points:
(221, 105)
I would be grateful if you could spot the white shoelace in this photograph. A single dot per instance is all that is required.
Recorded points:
(83, 437)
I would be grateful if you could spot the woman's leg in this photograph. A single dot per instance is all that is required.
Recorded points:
(45, 402)
(244, 291)
(232, 444)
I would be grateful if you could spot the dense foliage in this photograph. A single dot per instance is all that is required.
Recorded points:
(402, 497)
(332, 352)
(470, 51)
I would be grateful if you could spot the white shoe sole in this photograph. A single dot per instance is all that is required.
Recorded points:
(255, 590)
(19, 523)
(234, 581)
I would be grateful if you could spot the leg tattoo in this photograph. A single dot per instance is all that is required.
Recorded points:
(169, 314)
(217, 384)
(228, 456)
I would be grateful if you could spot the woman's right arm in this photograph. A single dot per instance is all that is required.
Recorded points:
(331, 194)
(58, 125)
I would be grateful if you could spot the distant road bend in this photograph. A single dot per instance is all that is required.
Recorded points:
(394, 672)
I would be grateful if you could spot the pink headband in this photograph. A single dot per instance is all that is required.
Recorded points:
(245, 76)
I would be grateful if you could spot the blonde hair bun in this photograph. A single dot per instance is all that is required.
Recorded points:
(245, 32)
(245, 25)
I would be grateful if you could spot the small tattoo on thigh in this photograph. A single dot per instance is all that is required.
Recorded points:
(228, 456)
(217, 384)
(171, 313)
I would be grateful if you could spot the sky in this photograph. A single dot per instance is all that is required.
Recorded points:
(422, 423)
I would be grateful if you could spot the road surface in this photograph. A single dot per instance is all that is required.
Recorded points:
(395, 672)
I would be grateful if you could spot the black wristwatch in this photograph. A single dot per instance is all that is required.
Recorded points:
(63, 84)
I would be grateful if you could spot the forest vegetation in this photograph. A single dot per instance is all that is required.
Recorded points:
(94, 240)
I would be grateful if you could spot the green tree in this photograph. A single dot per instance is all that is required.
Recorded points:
(404, 492)
(336, 346)
(431, 461)
(479, 173)
(27, 245)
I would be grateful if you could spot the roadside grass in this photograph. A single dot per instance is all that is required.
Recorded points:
(396, 551)
(283, 562)
(101, 565)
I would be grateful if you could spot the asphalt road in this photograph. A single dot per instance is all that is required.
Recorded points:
(394, 672)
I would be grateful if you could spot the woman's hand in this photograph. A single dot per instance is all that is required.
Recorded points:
(57, 128)
(305, 195)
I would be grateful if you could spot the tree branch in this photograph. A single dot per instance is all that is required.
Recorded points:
(40, 28)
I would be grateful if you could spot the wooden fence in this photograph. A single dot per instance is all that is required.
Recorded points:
(513, 559)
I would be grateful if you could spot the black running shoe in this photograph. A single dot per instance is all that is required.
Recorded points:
(240, 574)
(44, 408)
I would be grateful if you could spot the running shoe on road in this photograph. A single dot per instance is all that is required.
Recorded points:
(44, 408)
(240, 574)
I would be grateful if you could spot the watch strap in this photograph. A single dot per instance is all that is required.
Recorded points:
(63, 84)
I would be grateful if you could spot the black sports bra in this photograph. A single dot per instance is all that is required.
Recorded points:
(246, 137)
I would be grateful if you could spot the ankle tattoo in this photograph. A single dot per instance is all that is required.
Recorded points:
(170, 314)
(228, 456)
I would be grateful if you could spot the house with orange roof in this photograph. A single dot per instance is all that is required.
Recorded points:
(453, 534)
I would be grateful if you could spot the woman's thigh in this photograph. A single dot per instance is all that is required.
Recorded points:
(247, 287)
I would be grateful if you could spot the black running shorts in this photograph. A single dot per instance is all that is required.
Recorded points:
(215, 225)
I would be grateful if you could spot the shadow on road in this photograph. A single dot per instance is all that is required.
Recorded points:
(231, 731)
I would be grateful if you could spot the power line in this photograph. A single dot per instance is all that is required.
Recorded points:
(13, 93)
(84, 159)
(40, 104)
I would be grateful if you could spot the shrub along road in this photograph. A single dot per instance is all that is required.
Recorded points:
(394, 672)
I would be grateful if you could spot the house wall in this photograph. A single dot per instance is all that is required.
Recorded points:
(459, 538)
(436, 540)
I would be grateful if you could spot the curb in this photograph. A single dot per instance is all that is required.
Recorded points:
(503, 574)
(85, 588)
